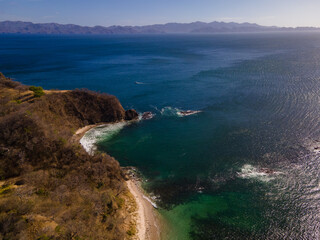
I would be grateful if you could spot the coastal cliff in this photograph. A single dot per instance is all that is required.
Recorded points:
(50, 187)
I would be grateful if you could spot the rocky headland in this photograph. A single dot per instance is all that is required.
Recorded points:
(50, 187)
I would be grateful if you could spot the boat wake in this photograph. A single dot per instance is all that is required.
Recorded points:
(105, 132)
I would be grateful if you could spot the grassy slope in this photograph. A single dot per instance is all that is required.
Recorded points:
(51, 188)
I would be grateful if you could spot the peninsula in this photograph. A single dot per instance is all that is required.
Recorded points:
(50, 187)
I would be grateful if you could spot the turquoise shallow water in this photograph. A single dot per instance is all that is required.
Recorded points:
(246, 166)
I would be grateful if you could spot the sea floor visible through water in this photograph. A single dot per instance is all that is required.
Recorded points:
(246, 166)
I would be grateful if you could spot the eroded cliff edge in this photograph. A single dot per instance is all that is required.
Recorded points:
(51, 188)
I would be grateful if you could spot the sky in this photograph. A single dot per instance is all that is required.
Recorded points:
(284, 13)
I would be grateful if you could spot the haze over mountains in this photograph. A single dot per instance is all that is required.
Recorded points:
(194, 27)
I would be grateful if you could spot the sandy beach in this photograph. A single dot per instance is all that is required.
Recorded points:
(148, 220)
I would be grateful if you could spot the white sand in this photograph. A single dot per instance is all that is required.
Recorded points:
(147, 218)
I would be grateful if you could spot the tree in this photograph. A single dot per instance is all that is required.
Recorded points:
(37, 91)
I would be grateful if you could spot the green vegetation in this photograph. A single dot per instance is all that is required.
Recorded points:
(37, 91)
(51, 188)
(5, 189)
(42, 192)
(132, 231)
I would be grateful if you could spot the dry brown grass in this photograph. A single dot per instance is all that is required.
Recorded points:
(51, 188)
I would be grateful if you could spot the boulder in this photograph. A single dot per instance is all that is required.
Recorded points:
(131, 114)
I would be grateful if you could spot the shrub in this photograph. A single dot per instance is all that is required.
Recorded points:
(42, 192)
(37, 91)
(132, 231)
(61, 192)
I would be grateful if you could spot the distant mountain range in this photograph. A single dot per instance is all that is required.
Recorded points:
(194, 27)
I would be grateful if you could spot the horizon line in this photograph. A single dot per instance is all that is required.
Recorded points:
(151, 24)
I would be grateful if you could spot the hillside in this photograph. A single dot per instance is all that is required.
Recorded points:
(50, 187)
(18, 27)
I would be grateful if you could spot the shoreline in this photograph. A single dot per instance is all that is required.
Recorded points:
(82, 131)
(148, 221)
(147, 218)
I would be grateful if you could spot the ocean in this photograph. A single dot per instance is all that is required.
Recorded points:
(246, 166)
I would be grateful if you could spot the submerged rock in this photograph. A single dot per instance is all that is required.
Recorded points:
(147, 115)
(188, 112)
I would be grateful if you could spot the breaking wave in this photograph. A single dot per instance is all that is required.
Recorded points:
(105, 132)
(146, 116)
(139, 83)
(150, 201)
(248, 171)
(170, 111)
(176, 112)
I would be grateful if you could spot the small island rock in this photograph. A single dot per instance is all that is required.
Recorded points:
(131, 114)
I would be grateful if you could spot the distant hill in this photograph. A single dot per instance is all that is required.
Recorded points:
(194, 27)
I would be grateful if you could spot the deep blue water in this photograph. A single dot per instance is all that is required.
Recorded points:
(259, 100)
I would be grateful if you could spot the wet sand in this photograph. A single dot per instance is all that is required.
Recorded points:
(147, 218)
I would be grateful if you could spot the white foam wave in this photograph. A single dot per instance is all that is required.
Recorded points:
(262, 174)
(149, 200)
(139, 83)
(171, 111)
(187, 113)
(107, 131)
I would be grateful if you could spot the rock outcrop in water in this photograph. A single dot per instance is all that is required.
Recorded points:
(131, 114)
(50, 187)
